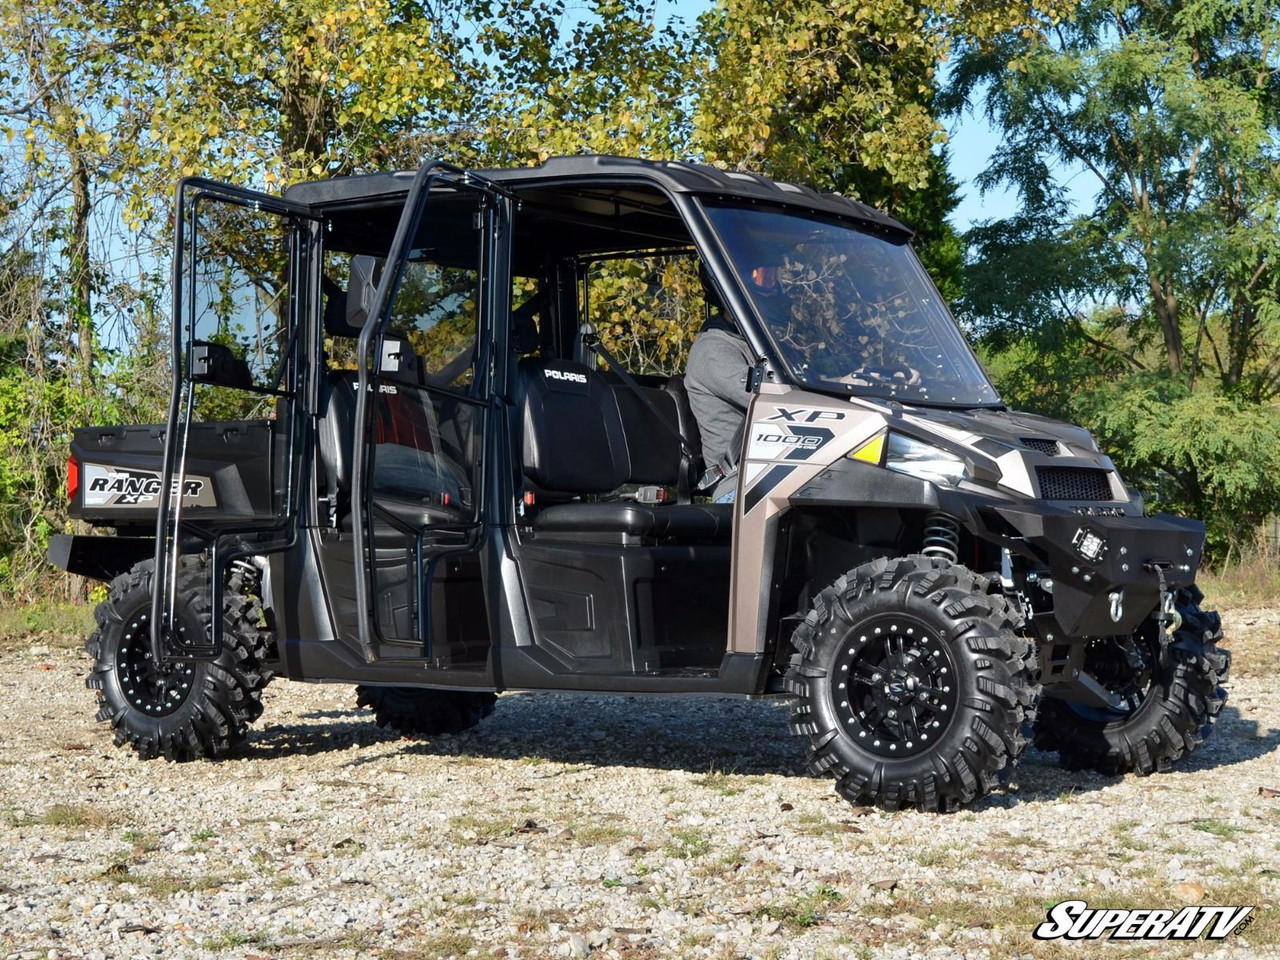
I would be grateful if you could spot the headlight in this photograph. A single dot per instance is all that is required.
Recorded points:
(923, 461)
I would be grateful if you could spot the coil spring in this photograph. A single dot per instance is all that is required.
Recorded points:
(246, 569)
(941, 537)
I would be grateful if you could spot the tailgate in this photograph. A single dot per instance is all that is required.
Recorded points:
(229, 474)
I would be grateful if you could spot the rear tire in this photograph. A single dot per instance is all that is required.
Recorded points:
(417, 711)
(1168, 712)
(912, 685)
(179, 711)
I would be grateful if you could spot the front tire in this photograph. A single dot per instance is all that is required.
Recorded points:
(912, 685)
(1167, 711)
(417, 711)
(183, 710)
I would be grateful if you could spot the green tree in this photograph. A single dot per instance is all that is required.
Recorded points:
(267, 92)
(1173, 110)
(616, 82)
(842, 96)
(1153, 319)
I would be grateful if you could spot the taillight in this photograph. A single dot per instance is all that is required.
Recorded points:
(73, 478)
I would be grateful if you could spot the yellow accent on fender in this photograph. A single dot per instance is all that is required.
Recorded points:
(872, 451)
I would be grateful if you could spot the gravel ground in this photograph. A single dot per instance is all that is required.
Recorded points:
(588, 826)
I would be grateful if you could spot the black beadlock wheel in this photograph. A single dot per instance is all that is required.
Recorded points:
(418, 711)
(1163, 711)
(182, 710)
(912, 685)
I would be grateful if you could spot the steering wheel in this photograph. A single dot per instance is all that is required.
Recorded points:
(870, 374)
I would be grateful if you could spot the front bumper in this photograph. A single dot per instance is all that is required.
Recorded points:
(1105, 573)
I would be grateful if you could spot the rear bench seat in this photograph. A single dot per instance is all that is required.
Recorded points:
(584, 435)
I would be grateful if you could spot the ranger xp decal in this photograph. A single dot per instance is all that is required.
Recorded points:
(123, 487)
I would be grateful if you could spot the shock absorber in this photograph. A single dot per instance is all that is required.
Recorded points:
(941, 536)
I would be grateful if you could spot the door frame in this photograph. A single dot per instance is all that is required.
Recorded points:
(490, 339)
(301, 225)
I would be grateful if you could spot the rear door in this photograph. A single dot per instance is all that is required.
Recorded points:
(421, 418)
(231, 439)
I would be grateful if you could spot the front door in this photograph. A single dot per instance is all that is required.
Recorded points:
(422, 406)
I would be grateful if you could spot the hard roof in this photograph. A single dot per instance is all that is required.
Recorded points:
(675, 176)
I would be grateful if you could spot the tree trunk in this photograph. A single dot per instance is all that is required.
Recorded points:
(1165, 303)
(81, 313)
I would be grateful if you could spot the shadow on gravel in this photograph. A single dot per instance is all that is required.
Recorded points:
(1234, 740)
(355, 714)
(694, 734)
(275, 741)
(697, 735)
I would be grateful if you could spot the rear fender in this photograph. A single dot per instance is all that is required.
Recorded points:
(99, 557)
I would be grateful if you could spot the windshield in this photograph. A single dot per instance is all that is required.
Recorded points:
(849, 310)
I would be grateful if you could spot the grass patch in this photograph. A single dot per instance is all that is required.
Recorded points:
(804, 911)
(436, 947)
(530, 921)
(233, 939)
(142, 840)
(1240, 585)
(1251, 581)
(699, 938)
(347, 848)
(817, 825)
(165, 885)
(724, 782)
(62, 625)
(1264, 930)
(1219, 828)
(472, 828)
(937, 857)
(728, 862)
(598, 834)
(76, 815)
(687, 845)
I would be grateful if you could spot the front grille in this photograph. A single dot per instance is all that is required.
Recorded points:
(1042, 444)
(1074, 483)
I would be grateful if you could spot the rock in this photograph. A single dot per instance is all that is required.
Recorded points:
(600, 937)
(1188, 892)
(578, 946)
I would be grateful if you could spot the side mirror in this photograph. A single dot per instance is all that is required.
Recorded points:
(361, 289)
(216, 363)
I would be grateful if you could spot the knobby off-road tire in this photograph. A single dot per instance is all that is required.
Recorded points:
(1168, 711)
(415, 711)
(912, 685)
(179, 711)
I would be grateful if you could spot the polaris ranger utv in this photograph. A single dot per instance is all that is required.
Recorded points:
(428, 434)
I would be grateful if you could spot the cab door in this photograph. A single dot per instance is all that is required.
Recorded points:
(422, 410)
(231, 450)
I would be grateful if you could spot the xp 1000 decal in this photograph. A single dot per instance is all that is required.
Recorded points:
(793, 434)
(128, 487)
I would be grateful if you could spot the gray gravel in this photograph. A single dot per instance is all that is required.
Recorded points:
(587, 826)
